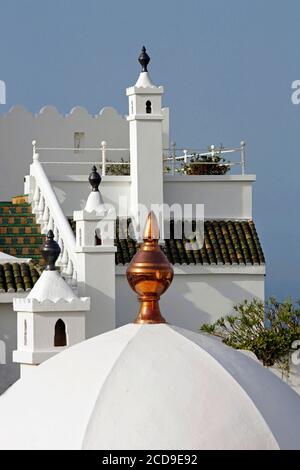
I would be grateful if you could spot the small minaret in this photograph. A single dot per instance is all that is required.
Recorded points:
(146, 138)
(95, 234)
(88, 220)
(51, 318)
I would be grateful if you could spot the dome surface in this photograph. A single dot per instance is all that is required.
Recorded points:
(150, 387)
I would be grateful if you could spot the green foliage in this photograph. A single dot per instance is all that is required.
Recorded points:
(122, 169)
(196, 165)
(267, 330)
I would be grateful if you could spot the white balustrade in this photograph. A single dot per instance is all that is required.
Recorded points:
(40, 209)
(68, 273)
(45, 219)
(51, 217)
(50, 225)
(64, 259)
(35, 199)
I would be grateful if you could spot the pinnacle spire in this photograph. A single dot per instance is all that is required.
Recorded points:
(150, 274)
(94, 179)
(144, 59)
(50, 251)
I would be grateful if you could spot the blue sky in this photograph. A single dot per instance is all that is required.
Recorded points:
(227, 67)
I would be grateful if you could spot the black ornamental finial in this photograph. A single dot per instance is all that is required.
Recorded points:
(50, 251)
(94, 179)
(144, 59)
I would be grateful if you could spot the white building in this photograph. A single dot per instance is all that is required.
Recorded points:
(230, 266)
(150, 385)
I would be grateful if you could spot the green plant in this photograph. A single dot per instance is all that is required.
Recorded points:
(119, 169)
(267, 330)
(197, 166)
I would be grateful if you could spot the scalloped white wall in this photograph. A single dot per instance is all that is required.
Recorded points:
(51, 129)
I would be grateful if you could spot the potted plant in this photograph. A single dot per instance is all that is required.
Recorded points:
(216, 165)
(119, 169)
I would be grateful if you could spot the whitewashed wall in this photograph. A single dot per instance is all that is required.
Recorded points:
(72, 191)
(9, 372)
(194, 299)
(51, 129)
(18, 128)
(224, 197)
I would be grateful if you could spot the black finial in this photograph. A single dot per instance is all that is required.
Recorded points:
(144, 59)
(50, 251)
(94, 179)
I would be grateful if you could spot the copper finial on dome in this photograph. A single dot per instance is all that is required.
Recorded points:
(150, 274)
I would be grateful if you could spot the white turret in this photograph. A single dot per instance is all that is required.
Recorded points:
(146, 140)
(51, 317)
(95, 234)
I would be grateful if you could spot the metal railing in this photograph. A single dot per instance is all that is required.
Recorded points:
(103, 161)
(175, 160)
(180, 158)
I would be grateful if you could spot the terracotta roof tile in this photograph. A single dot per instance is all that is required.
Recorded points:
(225, 242)
(15, 277)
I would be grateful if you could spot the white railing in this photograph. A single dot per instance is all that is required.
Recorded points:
(103, 161)
(50, 216)
(175, 159)
(178, 158)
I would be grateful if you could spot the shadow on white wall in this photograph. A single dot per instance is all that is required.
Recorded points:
(2, 352)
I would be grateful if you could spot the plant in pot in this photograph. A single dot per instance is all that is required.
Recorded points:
(205, 165)
(121, 168)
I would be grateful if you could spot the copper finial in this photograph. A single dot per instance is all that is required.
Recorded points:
(150, 274)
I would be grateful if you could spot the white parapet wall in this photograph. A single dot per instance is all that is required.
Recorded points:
(223, 196)
(51, 129)
(198, 294)
(72, 191)
(18, 128)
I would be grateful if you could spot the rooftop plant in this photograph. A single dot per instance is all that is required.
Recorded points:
(267, 330)
(119, 169)
(197, 165)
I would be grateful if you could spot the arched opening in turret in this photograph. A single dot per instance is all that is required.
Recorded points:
(148, 107)
(60, 337)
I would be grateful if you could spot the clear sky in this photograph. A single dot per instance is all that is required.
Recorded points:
(227, 67)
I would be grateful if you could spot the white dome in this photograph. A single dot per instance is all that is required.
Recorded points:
(150, 387)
